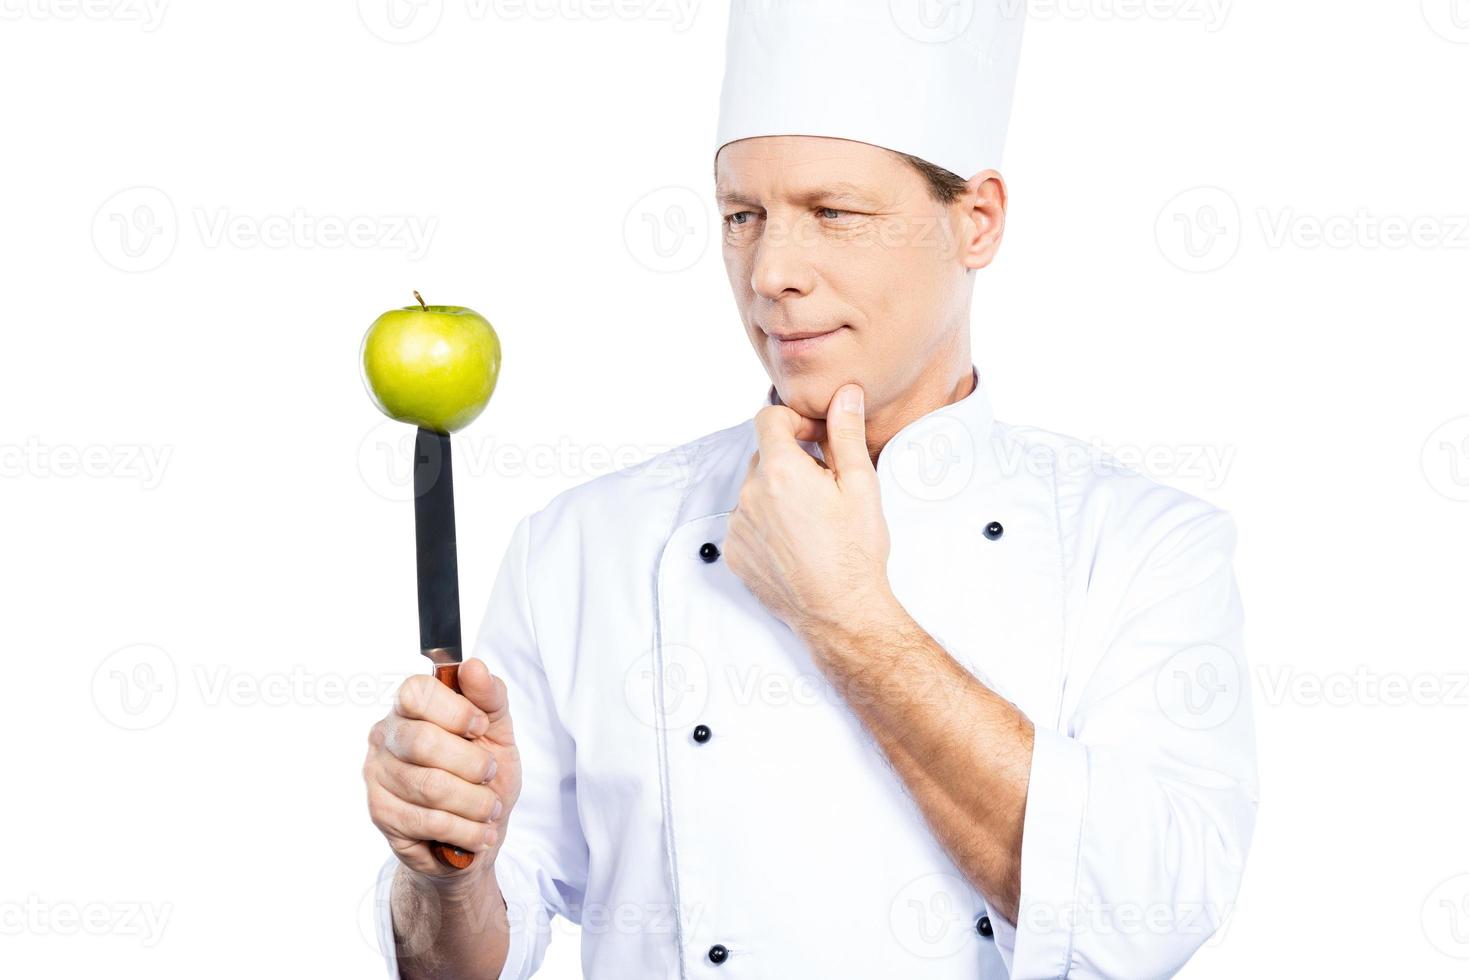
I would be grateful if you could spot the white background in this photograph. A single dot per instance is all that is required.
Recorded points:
(207, 546)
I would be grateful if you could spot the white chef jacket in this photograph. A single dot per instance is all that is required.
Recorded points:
(1100, 603)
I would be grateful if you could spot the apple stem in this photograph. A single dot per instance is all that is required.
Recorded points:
(420, 301)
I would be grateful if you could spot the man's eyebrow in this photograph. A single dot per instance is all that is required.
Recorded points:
(839, 190)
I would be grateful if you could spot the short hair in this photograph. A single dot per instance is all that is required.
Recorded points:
(944, 186)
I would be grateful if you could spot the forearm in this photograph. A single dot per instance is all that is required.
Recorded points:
(450, 931)
(962, 751)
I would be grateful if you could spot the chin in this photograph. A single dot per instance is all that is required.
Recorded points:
(807, 395)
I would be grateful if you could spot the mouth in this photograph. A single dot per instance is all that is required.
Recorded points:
(800, 342)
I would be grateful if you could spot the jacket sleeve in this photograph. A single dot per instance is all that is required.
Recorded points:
(1141, 810)
(542, 865)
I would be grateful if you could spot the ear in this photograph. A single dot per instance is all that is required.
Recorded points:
(982, 218)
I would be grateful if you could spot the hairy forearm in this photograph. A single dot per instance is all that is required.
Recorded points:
(962, 751)
(450, 930)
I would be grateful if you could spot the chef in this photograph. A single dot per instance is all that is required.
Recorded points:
(868, 685)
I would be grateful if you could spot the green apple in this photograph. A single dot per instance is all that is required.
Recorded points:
(432, 366)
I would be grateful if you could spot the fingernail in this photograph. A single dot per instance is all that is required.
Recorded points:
(852, 399)
(478, 725)
(496, 810)
(490, 773)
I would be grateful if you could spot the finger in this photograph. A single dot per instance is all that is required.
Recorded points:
(438, 790)
(778, 429)
(426, 698)
(846, 433)
(424, 744)
(490, 695)
(413, 822)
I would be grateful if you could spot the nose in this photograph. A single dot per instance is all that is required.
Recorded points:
(783, 263)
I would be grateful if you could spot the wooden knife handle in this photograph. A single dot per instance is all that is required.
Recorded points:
(448, 854)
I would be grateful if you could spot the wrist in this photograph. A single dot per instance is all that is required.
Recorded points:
(474, 883)
(861, 614)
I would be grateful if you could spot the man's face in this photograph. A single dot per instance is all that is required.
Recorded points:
(842, 240)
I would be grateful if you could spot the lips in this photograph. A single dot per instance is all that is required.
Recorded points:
(799, 335)
(801, 343)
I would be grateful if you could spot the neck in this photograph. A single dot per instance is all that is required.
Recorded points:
(931, 392)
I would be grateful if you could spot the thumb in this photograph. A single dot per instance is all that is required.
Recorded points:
(488, 693)
(846, 433)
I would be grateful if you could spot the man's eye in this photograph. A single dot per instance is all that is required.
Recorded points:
(738, 218)
(833, 214)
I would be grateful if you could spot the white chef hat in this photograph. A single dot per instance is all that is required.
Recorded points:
(931, 78)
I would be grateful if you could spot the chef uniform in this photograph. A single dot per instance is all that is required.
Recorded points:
(705, 804)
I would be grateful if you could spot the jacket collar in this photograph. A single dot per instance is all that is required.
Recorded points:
(935, 456)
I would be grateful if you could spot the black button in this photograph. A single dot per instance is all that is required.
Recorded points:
(708, 551)
(718, 954)
(993, 530)
(701, 733)
(983, 927)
